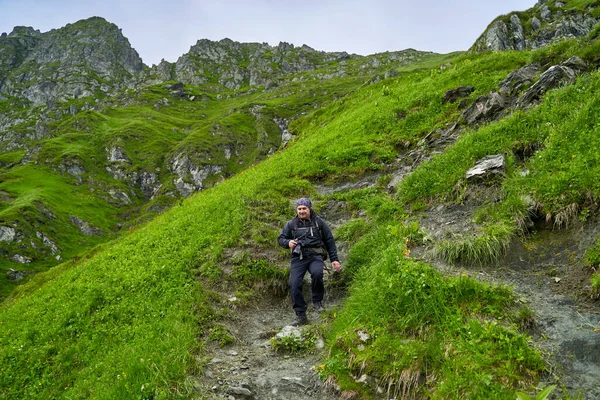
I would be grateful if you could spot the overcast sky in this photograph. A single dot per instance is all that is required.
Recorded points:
(166, 29)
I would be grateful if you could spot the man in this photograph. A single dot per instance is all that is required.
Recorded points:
(310, 240)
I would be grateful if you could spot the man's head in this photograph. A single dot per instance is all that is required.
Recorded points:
(303, 207)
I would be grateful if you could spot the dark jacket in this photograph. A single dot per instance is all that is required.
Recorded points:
(312, 232)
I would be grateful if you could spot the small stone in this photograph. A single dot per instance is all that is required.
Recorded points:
(364, 336)
(240, 391)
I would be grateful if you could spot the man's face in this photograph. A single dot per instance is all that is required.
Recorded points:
(303, 211)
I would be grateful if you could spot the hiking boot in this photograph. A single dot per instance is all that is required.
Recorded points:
(300, 320)
(319, 307)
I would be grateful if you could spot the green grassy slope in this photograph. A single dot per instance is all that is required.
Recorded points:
(125, 322)
(154, 129)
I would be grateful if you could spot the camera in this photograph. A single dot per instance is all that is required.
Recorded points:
(298, 249)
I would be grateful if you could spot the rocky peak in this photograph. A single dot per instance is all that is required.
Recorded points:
(24, 31)
(80, 59)
(545, 23)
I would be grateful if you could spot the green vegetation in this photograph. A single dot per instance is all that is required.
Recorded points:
(592, 259)
(543, 395)
(293, 344)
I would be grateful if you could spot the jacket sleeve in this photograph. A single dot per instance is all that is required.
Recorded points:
(285, 236)
(328, 240)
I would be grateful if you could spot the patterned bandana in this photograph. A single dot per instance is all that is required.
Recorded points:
(304, 202)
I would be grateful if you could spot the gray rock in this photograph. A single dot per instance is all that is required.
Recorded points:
(485, 109)
(500, 36)
(47, 242)
(73, 168)
(289, 331)
(553, 77)
(391, 74)
(15, 275)
(20, 259)
(518, 37)
(56, 65)
(7, 234)
(240, 391)
(148, 183)
(85, 227)
(519, 78)
(496, 37)
(286, 136)
(453, 95)
(487, 168)
(121, 197)
(545, 13)
(186, 170)
(116, 155)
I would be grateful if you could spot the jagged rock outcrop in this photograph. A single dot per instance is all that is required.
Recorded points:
(78, 60)
(553, 77)
(549, 23)
(233, 64)
(85, 226)
(190, 177)
(510, 95)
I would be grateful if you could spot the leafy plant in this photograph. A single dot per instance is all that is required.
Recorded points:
(543, 395)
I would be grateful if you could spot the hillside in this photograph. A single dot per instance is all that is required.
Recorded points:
(458, 282)
(121, 142)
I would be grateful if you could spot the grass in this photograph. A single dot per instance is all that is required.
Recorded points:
(482, 249)
(428, 335)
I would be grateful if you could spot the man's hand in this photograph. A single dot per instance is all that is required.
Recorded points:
(292, 244)
(336, 266)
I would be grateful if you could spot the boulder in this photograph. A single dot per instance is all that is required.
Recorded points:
(519, 78)
(7, 234)
(487, 169)
(553, 77)
(453, 95)
(485, 109)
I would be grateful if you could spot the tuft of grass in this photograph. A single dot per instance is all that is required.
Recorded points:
(483, 249)
(592, 259)
(543, 395)
(305, 342)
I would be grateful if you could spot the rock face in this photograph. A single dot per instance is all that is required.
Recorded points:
(510, 93)
(550, 23)
(87, 57)
(237, 64)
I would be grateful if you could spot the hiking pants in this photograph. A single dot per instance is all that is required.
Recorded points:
(314, 264)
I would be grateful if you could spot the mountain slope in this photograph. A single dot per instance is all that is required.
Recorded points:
(81, 113)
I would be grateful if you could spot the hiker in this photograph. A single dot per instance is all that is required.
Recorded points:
(311, 241)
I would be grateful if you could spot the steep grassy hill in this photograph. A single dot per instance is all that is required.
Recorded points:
(130, 317)
(90, 149)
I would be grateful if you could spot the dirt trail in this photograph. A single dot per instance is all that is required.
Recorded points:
(249, 368)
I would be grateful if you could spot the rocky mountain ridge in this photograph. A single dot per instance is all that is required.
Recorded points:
(548, 22)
